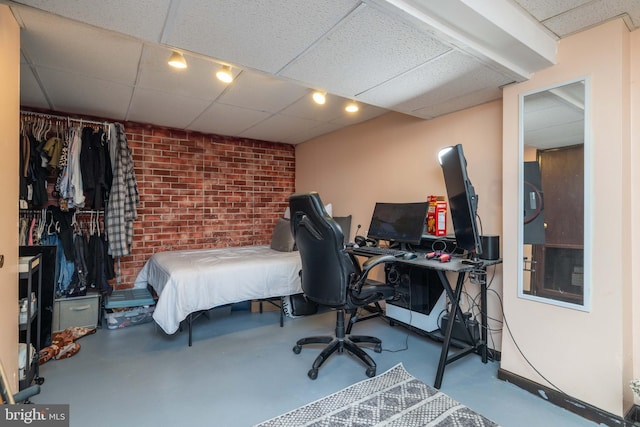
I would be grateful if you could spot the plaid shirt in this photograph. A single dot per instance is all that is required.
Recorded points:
(123, 198)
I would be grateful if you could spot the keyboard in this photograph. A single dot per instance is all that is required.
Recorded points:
(373, 251)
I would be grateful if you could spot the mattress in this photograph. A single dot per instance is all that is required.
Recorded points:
(194, 280)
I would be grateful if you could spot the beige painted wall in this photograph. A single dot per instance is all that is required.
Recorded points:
(634, 232)
(583, 353)
(9, 120)
(394, 159)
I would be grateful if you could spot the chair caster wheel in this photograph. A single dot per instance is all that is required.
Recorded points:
(378, 348)
(297, 349)
(39, 380)
(313, 374)
(371, 372)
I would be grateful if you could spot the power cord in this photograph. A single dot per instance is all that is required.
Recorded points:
(504, 317)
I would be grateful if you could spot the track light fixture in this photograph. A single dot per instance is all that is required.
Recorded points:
(319, 97)
(352, 107)
(224, 74)
(176, 60)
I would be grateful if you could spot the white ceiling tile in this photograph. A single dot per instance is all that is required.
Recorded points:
(75, 93)
(261, 92)
(459, 103)
(227, 120)
(366, 112)
(545, 9)
(78, 47)
(592, 14)
(279, 127)
(123, 16)
(30, 92)
(367, 49)
(280, 29)
(311, 133)
(447, 77)
(305, 108)
(197, 80)
(172, 110)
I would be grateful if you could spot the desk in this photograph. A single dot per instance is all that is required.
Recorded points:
(454, 266)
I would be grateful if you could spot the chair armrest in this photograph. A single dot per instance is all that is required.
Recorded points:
(375, 260)
(369, 264)
(25, 394)
(357, 286)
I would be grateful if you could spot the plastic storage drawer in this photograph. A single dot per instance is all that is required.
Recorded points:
(77, 311)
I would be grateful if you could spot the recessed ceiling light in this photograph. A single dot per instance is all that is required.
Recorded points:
(224, 74)
(176, 60)
(319, 97)
(351, 107)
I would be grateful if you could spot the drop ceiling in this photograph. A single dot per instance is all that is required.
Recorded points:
(424, 58)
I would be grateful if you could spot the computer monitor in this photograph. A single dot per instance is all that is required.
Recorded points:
(398, 222)
(463, 201)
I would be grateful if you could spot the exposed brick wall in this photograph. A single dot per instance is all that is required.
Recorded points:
(202, 191)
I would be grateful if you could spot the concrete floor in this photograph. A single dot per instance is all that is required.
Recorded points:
(241, 370)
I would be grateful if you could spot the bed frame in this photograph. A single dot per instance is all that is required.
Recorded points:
(191, 283)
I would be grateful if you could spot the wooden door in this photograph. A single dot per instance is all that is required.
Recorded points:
(9, 144)
(559, 262)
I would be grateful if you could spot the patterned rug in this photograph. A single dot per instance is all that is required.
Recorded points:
(394, 398)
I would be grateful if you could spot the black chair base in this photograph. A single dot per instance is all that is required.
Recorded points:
(374, 311)
(339, 344)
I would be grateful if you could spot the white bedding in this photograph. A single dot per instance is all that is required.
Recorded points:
(189, 281)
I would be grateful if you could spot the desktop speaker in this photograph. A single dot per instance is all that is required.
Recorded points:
(490, 247)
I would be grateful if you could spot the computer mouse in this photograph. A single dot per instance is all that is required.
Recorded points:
(409, 255)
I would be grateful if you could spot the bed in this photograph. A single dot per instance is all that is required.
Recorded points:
(198, 280)
(194, 281)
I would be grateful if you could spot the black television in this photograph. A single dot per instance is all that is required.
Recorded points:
(463, 200)
(398, 222)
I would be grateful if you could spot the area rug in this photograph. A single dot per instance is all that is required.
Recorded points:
(394, 398)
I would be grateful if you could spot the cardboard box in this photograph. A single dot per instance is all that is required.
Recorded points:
(437, 216)
(266, 306)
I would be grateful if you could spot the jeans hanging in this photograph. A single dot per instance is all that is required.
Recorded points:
(65, 268)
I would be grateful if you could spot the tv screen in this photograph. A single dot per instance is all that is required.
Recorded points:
(398, 222)
(463, 201)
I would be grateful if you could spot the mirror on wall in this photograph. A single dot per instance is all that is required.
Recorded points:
(554, 195)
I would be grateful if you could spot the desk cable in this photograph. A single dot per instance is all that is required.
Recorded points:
(406, 336)
(504, 317)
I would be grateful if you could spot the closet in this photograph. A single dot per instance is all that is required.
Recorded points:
(78, 199)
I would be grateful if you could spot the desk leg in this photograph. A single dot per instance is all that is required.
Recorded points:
(454, 297)
(483, 319)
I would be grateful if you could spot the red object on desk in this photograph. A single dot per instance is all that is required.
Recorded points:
(445, 258)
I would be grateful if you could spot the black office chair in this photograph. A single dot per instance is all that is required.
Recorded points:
(334, 278)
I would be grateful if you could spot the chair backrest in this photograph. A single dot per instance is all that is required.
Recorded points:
(326, 265)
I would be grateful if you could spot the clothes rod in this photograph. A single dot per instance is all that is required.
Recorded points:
(55, 116)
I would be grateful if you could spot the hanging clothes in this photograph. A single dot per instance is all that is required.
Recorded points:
(70, 184)
(123, 198)
(99, 264)
(93, 165)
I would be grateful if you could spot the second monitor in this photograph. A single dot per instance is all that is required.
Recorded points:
(398, 222)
